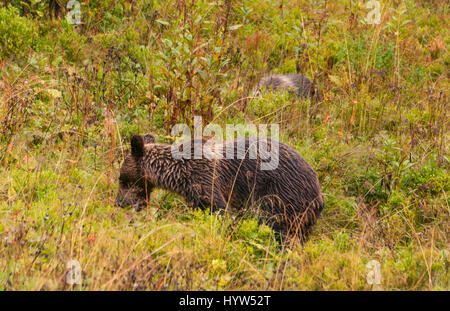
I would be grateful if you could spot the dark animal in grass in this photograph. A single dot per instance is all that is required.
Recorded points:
(288, 197)
(298, 84)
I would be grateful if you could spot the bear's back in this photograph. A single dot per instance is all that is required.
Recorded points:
(292, 179)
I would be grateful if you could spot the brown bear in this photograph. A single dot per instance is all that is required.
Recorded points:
(288, 196)
(298, 84)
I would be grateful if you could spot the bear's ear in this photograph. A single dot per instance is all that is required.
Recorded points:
(137, 146)
(149, 138)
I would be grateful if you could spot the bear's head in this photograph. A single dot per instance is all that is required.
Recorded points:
(134, 189)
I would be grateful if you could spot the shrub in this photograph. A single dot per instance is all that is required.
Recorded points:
(16, 33)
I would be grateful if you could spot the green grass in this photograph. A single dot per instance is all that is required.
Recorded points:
(71, 97)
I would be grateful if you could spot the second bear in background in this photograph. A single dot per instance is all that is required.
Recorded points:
(298, 84)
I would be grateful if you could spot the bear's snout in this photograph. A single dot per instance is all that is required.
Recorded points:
(118, 203)
(128, 197)
(122, 199)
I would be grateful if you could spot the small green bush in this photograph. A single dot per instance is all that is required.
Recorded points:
(428, 180)
(16, 33)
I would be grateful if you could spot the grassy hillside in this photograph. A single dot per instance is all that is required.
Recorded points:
(72, 95)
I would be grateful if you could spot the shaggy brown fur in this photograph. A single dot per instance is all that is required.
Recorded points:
(289, 196)
(300, 85)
